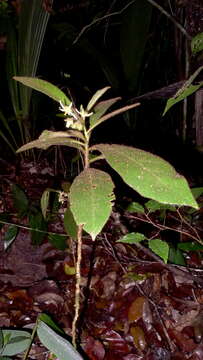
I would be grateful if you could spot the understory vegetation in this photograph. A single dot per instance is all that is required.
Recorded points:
(101, 180)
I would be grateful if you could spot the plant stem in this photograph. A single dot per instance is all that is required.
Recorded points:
(86, 158)
(77, 286)
(31, 340)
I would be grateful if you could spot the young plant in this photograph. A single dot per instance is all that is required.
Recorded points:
(91, 193)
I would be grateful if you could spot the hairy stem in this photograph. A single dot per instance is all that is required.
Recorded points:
(77, 286)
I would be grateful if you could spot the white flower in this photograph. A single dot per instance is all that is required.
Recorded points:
(83, 113)
(62, 197)
(67, 109)
(73, 124)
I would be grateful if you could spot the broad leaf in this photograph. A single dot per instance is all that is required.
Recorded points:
(49, 138)
(160, 248)
(100, 109)
(18, 342)
(96, 97)
(132, 238)
(189, 90)
(56, 343)
(91, 196)
(44, 87)
(148, 174)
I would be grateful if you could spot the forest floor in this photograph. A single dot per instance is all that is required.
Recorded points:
(133, 306)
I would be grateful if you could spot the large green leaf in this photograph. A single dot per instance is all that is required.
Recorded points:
(56, 343)
(148, 174)
(44, 87)
(91, 196)
(49, 138)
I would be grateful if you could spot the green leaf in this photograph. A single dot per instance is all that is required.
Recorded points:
(91, 196)
(45, 202)
(197, 192)
(132, 238)
(136, 207)
(190, 246)
(48, 320)
(197, 43)
(58, 241)
(112, 114)
(160, 248)
(36, 221)
(10, 236)
(44, 87)
(1, 340)
(49, 138)
(100, 109)
(176, 257)
(7, 337)
(56, 344)
(32, 24)
(18, 342)
(70, 224)
(20, 200)
(189, 90)
(148, 174)
(96, 97)
(153, 205)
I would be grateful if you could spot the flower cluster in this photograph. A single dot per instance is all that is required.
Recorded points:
(76, 118)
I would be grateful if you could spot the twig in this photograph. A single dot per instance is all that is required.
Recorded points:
(114, 254)
(171, 18)
(31, 229)
(94, 22)
(164, 227)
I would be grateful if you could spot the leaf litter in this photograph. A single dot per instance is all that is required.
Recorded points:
(137, 308)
